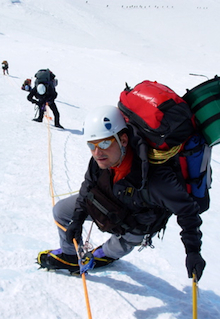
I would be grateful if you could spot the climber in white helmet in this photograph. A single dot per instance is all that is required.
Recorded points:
(125, 196)
(42, 94)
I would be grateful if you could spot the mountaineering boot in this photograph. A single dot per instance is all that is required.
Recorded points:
(56, 259)
(100, 259)
(60, 126)
(37, 120)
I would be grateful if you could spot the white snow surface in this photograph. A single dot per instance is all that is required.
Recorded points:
(94, 47)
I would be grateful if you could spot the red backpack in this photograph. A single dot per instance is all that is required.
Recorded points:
(166, 120)
(163, 117)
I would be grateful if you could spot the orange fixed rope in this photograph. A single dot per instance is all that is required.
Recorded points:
(83, 276)
(60, 226)
(48, 117)
(50, 162)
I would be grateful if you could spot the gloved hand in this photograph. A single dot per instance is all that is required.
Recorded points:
(35, 102)
(195, 263)
(74, 230)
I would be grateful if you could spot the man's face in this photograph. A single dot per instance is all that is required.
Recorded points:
(108, 157)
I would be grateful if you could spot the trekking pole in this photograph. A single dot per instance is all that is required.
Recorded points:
(83, 274)
(194, 295)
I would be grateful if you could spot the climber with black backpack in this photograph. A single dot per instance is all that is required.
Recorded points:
(125, 195)
(43, 94)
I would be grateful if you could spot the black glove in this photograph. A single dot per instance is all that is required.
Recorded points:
(74, 230)
(35, 102)
(195, 264)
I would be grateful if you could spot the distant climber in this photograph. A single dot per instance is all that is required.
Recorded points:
(41, 95)
(5, 67)
(26, 86)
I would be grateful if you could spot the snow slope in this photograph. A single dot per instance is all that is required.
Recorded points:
(94, 47)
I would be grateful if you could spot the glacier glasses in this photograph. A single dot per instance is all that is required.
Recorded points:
(102, 145)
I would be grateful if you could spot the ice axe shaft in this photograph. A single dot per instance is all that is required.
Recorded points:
(194, 296)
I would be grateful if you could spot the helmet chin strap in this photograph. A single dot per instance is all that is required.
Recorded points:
(122, 148)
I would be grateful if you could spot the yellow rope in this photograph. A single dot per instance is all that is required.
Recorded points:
(161, 156)
(65, 194)
(50, 158)
(60, 226)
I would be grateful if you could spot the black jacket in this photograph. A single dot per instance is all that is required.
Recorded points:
(157, 192)
(49, 96)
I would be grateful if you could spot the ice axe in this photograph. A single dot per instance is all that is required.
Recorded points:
(194, 295)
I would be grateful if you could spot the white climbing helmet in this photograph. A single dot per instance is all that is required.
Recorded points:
(103, 122)
(41, 89)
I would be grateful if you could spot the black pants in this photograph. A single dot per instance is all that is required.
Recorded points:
(5, 70)
(53, 108)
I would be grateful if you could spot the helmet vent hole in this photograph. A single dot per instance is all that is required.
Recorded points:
(107, 125)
